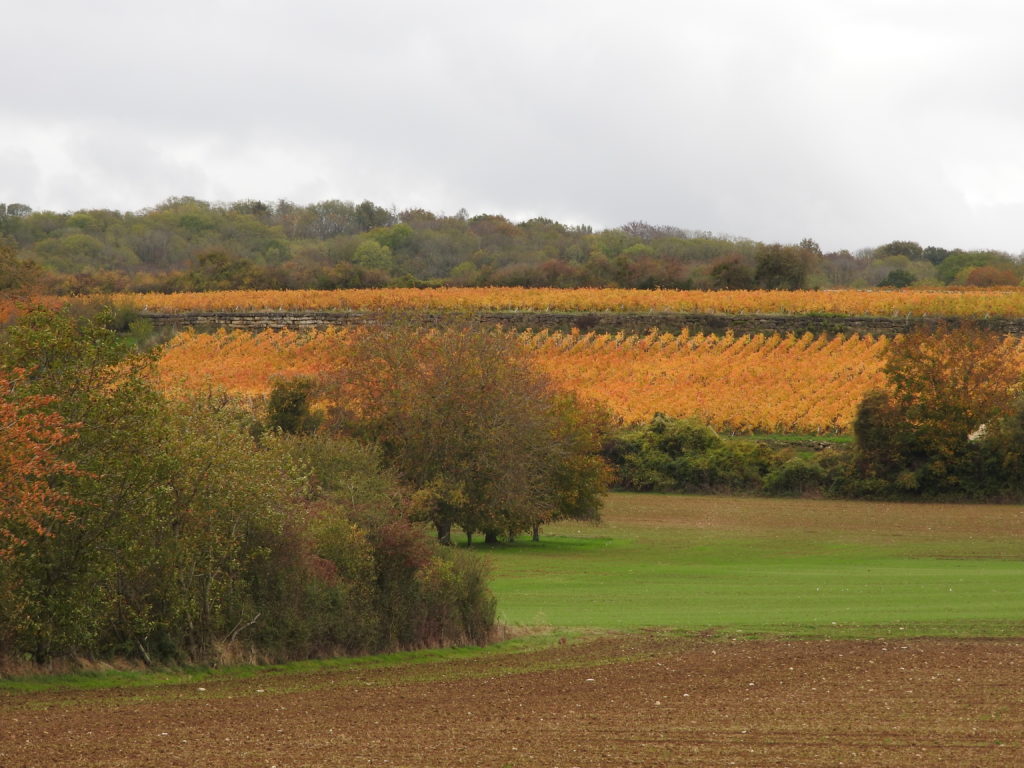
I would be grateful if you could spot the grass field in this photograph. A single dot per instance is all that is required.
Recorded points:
(853, 569)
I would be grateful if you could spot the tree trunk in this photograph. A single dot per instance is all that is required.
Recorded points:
(536, 532)
(469, 538)
(444, 533)
(490, 537)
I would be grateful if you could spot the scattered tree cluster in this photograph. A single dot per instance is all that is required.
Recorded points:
(136, 525)
(185, 244)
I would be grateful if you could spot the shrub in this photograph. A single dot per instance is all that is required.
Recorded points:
(797, 477)
(684, 455)
(456, 606)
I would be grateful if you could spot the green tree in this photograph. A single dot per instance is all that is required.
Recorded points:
(944, 384)
(898, 278)
(784, 267)
(906, 248)
(934, 254)
(372, 255)
(370, 216)
(731, 274)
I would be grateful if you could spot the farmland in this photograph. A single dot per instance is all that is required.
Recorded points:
(884, 686)
(763, 383)
(701, 630)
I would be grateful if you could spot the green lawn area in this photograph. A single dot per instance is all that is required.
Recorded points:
(790, 566)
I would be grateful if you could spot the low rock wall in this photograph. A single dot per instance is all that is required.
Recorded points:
(599, 322)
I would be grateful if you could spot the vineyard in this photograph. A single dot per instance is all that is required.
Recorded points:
(959, 302)
(737, 384)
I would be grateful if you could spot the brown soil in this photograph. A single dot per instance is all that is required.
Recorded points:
(616, 700)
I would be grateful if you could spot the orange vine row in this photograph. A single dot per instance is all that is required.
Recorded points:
(763, 383)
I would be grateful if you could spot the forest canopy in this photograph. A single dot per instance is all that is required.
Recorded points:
(185, 244)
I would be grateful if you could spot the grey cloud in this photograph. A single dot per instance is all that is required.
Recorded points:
(853, 123)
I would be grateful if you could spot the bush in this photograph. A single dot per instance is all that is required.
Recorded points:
(797, 477)
(684, 455)
(455, 604)
(363, 533)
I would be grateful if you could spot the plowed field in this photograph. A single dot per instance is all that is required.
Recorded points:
(645, 699)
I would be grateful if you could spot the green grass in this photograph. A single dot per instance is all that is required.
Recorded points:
(103, 678)
(758, 565)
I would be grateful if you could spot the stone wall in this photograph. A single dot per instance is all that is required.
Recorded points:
(599, 322)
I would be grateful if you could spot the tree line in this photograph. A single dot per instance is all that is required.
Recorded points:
(185, 244)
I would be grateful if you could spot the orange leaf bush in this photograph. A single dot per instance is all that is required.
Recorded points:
(29, 436)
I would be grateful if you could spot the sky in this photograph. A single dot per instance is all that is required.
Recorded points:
(853, 123)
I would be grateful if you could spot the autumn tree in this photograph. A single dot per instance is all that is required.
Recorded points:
(989, 276)
(487, 441)
(29, 437)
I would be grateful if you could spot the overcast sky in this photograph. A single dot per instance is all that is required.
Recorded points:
(853, 123)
